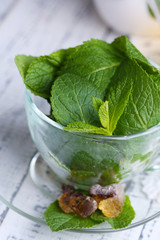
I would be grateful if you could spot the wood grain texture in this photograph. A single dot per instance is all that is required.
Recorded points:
(38, 27)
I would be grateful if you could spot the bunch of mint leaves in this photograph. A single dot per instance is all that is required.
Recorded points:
(96, 87)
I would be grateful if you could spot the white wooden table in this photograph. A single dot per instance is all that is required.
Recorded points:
(39, 27)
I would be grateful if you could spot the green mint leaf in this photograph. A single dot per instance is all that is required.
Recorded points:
(110, 176)
(104, 115)
(152, 71)
(61, 55)
(110, 170)
(155, 75)
(86, 128)
(83, 165)
(123, 219)
(38, 73)
(127, 49)
(119, 93)
(94, 59)
(22, 62)
(97, 102)
(40, 76)
(143, 108)
(42, 72)
(71, 100)
(84, 162)
(57, 220)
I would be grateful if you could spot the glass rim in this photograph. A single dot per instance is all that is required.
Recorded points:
(53, 123)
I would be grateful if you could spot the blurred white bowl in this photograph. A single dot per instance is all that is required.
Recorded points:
(128, 16)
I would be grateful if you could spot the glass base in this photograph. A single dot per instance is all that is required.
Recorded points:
(42, 188)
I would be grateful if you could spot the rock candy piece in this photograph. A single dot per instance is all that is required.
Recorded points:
(64, 202)
(83, 205)
(79, 203)
(110, 207)
(102, 192)
(110, 198)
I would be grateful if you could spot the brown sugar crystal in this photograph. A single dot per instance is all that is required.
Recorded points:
(110, 198)
(79, 203)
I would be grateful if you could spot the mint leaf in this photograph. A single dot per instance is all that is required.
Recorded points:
(41, 73)
(38, 73)
(110, 170)
(119, 93)
(152, 71)
(57, 220)
(143, 108)
(40, 76)
(86, 128)
(123, 219)
(104, 115)
(83, 161)
(22, 63)
(97, 103)
(83, 165)
(94, 59)
(71, 100)
(61, 55)
(127, 49)
(110, 111)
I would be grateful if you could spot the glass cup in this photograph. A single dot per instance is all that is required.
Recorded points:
(82, 159)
